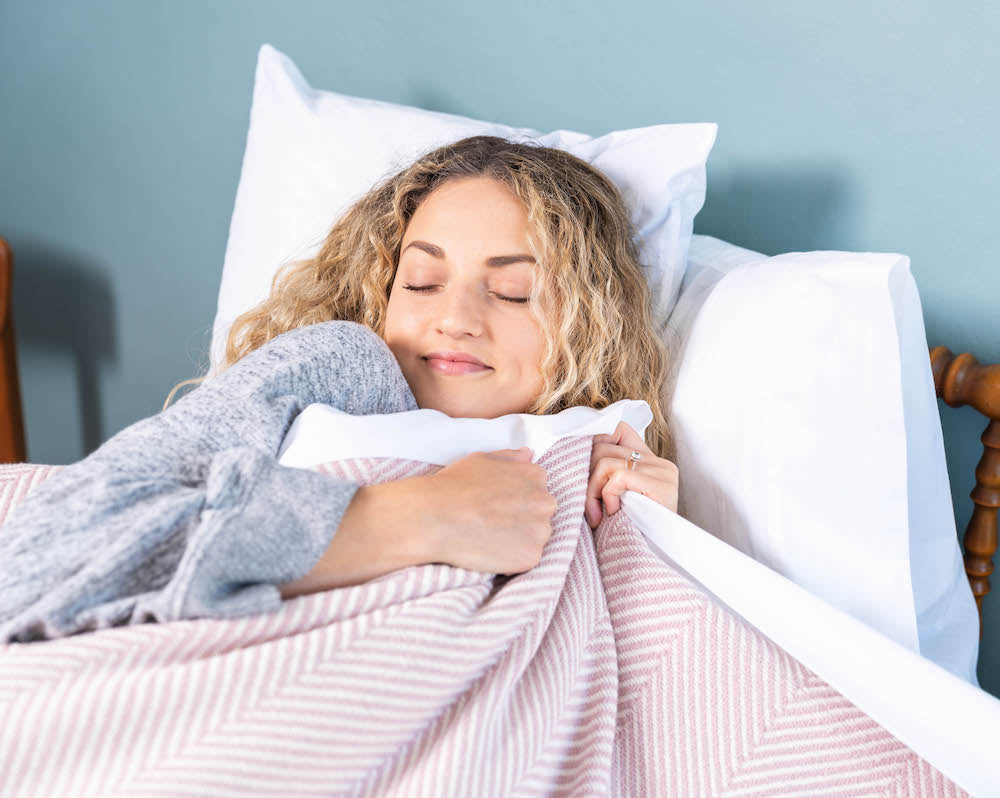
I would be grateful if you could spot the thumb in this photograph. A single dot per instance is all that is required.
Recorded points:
(522, 455)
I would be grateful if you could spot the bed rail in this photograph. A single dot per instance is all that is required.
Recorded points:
(12, 443)
(962, 380)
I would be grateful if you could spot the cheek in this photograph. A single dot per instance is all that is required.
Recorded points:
(397, 345)
(400, 324)
(531, 346)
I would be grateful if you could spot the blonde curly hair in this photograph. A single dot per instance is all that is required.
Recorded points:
(601, 347)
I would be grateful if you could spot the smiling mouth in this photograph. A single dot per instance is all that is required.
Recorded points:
(455, 367)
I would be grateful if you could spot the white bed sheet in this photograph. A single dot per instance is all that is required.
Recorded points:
(946, 720)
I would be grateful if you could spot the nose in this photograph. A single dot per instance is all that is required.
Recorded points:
(459, 313)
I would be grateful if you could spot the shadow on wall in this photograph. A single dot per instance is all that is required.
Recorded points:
(64, 303)
(775, 209)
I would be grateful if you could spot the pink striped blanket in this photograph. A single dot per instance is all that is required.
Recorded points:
(602, 671)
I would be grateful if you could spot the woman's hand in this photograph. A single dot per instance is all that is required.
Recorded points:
(653, 476)
(488, 511)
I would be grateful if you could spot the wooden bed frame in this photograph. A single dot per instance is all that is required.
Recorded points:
(958, 380)
(962, 380)
(12, 444)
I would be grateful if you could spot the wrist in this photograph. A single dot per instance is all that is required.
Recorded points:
(403, 521)
(382, 530)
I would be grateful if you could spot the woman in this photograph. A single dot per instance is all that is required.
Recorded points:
(519, 260)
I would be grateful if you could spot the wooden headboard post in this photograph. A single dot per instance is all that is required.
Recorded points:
(962, 380)
(12, 443)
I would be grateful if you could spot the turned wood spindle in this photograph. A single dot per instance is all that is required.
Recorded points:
(12, 442)
(962, 380)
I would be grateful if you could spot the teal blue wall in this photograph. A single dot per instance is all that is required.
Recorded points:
(844, 125)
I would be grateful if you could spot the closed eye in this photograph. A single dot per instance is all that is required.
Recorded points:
(514, 299)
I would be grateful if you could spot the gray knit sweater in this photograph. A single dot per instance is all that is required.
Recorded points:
(187, 513)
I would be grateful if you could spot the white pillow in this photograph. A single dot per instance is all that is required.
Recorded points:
(321, 433)
(808, 436)
(310, 154)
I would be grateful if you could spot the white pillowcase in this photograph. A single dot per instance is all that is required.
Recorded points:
(310, 154)
(321, 433)
(808, 436)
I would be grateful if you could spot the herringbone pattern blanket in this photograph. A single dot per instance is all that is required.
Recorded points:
(602, 671)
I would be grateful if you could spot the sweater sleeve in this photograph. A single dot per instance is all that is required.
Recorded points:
(187, 513)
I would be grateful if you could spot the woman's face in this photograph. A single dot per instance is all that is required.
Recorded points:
(467, 245)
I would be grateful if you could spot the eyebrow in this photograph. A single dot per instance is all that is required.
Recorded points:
(496, 260)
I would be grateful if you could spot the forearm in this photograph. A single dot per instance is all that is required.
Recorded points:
(187, 513)
(380, 532)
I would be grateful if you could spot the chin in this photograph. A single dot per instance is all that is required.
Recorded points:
(460, 409)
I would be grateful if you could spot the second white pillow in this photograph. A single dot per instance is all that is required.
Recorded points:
(808, 436)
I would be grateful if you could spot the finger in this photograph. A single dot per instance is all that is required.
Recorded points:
(616, 436)
(624, 435)
(603, 450)
(592, 509)
(614, 457)
(627, 436)
(610, 437)
(647, 483)
(612, 490)
(599, 475)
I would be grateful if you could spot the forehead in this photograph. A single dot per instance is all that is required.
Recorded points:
(463, 212)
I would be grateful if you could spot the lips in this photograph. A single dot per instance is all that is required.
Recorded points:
(455, 363)
(457, 356)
